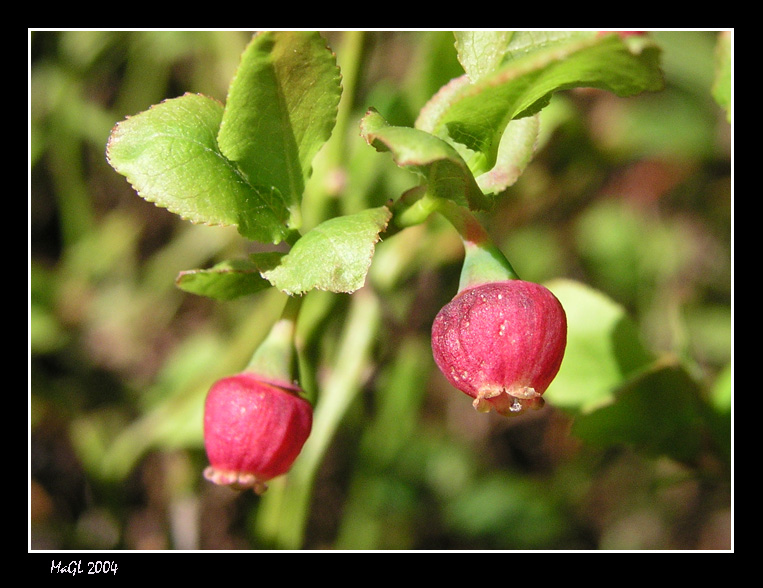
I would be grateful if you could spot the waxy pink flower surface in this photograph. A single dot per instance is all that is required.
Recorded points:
(502, 343)
(254, 429)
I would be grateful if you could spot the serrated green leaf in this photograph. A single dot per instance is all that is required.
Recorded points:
(481, 52)
(281, 108)
(230, 279)
(445, 172)
(170, 155)
(523, 43)
(334, 256)
(515, 152)
(477, 114)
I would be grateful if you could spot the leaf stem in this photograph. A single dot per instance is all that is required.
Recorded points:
(274, 358)
(483, 261)
(283, 514)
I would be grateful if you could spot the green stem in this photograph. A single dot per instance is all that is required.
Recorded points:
(284, 509)
(274, 358)
(413, 208)
(352, 55)
(483, 261)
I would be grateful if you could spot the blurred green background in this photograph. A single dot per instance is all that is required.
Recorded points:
(630, 196)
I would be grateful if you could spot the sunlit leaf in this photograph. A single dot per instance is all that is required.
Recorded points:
(476, 114)
(333, 256)
(445, 172)
(514, 154)
(170, 155)
(481, 52)
(281, 109)
(603, 348)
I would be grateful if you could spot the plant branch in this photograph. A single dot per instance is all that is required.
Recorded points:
(283, 515)
(483, 261)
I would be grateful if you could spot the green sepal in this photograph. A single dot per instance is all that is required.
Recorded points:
(483, 261)
(275, 358)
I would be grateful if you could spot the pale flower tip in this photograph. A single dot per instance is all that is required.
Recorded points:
(220, 477)
(524, 392)
(480, 404)
(235, 480)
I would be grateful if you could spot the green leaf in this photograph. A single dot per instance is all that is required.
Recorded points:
(170, 155)
(230, 279)
(523, 43)
(722, 81)
(603, 348)
(334, 256)
(281, 108)
(659, 412)
(515, 152)
(481, 52)
(446, 174)
(476, 114)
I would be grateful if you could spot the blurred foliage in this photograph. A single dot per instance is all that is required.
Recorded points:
(629, 196)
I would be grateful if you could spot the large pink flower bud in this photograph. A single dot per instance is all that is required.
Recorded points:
(254, 429)
(502, 343)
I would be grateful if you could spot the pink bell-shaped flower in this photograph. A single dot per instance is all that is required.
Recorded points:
(254, 429)
(502, 343)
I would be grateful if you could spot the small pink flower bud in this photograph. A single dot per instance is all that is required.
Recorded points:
(502, 343)
(254, 429)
